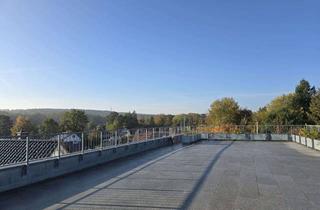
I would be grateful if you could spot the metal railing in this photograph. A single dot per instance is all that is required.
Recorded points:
(22, 150)
(257, 129)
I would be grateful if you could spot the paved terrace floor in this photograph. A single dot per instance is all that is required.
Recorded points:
(207, 175)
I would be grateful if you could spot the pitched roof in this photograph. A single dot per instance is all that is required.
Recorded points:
(14, 151)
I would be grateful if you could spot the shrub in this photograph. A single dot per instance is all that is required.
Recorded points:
(312, 133)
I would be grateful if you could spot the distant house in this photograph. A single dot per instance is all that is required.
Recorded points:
(68, 138)
(124, 132)
(69, 142)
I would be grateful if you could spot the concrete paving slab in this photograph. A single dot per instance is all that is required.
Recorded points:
(207, 175)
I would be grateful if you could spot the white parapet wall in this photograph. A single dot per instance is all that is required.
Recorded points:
(308, 142)
(248, 137)
(317, 144)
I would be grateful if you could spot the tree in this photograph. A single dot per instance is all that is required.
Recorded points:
(146, 121)
(191, 119)
(261, 116)
(281, 111)
(160, 120)
(5, 125)
(179, 120)
(74, 121)
(130, 120)
(116, 121)
(301, 101)
(49, 126)
(315, 108)
(22, 124)
(246, 116)
(168, 120)
(151, 122)
(224, 112)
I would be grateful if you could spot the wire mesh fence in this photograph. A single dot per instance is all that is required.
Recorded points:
(25, 148)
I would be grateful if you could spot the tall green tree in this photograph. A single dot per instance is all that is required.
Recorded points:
(5, 125)
(115, 124)
(246, 116)
(224, 112)
(315, 108)
(74, 121)
(301, 101)
(261, 116)
(116, 121)
(49, 127)
(150, 122)
(281, 111)
(130, 120)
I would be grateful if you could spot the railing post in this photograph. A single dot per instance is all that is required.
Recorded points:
(312, 141)
(153, 137)
(146, 134)
(101, 140)
(82, 143)
(115, 138)
(138, 135)
(27, 151)
(59, 149)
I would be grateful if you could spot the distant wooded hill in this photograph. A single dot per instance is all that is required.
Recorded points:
(37, 116)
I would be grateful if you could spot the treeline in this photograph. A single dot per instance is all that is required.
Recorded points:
(78, 121)
(300, 107)
(71, 121)
(130, 120)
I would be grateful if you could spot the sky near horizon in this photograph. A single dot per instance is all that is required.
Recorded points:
(155, 56)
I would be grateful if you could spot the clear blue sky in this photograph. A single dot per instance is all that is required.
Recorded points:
(155, 56)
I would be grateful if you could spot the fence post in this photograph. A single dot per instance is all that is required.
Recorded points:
(82, 143)
(299, 139)
(101, 139)
(59, 149)
(115, 138)
(312, 140)
(153, 137)
(146, 134)
(27, 150)
(137, 137)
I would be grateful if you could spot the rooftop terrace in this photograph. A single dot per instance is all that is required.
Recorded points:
(205, 175)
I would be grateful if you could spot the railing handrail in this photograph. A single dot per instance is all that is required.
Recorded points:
(104, 140)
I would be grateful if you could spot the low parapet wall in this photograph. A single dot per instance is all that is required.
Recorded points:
(308, 142)
(189, 139)
(247, 137)
(15, 176)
